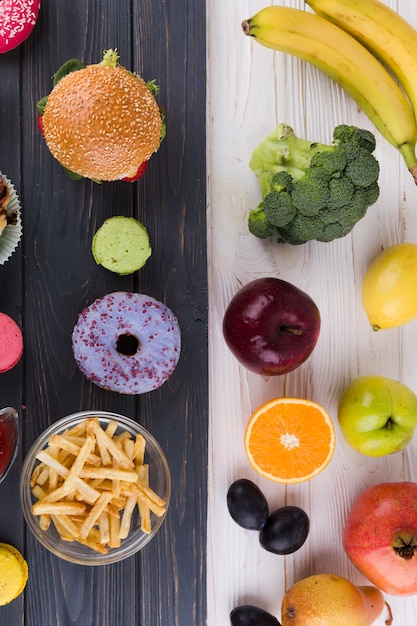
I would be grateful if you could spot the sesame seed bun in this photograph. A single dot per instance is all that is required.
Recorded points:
(102, 122)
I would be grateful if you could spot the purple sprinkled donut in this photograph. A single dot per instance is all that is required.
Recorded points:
(127, 342)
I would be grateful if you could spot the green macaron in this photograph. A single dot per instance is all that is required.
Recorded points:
(121, 245)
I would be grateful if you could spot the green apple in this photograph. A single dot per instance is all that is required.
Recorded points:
(377, 415)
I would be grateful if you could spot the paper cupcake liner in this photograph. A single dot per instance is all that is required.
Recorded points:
(12, 234)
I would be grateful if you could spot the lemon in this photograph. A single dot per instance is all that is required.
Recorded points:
(389, 293)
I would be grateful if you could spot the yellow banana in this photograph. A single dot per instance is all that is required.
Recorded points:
(385, 33)
(345, 60)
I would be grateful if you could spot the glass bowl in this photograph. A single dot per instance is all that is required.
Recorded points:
(159, 482)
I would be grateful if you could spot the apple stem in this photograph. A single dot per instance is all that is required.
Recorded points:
(390, 619)
(291, 329)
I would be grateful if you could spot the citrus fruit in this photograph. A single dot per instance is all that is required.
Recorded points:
(389, 295)
(289, 440)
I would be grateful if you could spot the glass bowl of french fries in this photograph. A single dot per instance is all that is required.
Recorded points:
(95, 487)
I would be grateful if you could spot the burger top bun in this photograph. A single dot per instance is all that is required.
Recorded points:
(102, 122)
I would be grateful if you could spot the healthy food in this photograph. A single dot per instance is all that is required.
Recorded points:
(13, 573)
(121, 245)
(249, 615)
(389, 296)
(88, 483)
(377, 415)
(348, 63)
(271, 326)
(101, 121)
(382, 31)
(311, 190)
(17, 20)
(330, 600)
(247, 504)
(380, 536)
(285, 531)
(289, 440)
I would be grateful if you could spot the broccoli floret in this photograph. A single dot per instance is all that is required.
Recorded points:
(341, 191)
(363, 170)
(260, 226)
(312, 190)
(333, 161)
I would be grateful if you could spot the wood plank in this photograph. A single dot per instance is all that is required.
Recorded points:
(252, 89)
(165, 584)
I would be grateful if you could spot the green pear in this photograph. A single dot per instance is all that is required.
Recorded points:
(330, 600)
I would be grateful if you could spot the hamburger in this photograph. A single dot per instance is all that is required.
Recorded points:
(101, 121)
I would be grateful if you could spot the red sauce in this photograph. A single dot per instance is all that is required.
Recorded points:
(7, 446)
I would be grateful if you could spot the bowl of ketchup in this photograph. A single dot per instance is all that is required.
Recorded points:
(9, 439)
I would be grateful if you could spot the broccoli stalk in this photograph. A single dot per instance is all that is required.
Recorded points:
(311, 190)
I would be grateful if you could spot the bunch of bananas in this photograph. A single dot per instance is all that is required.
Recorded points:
(347, 40)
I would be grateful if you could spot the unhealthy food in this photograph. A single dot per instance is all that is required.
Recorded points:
(127, 342)
(11, 343)
(101, 121)
(17, 20)
(13, 573)
(121, 245)
(10, 221)
(92, 484)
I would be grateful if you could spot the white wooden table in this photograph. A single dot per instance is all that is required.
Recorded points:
(250, 90)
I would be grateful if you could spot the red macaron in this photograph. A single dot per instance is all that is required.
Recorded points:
(11, 343)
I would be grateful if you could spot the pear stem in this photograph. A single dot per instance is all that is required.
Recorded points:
(390, 619)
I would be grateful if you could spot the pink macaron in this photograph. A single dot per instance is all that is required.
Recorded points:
(17, 20)
(11, 343)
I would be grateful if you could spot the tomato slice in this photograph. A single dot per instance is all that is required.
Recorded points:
(141, 170)
(40, 125)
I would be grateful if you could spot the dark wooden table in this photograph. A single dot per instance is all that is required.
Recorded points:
(53, 276)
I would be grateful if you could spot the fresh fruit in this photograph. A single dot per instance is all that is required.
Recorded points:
(382, 31)
(289, 440)
(380, 536)
(247, 504)
(271, 326)
(377, 415)
(389, 296)
(329, 600)
(340, 56)
(249, 615)
(285, 531)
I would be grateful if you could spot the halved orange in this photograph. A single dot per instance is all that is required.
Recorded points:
(290, 440)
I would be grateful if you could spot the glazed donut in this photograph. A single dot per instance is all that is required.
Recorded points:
(17, 20)
(127, 342)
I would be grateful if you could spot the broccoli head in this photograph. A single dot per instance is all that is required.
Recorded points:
(312, 190)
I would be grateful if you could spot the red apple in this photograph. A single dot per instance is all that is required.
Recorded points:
(380, 537)
(271, 326)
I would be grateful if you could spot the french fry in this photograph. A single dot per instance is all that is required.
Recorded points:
(88, 483)
(105, 440)
(127, 516)
(104, 527)
(144, 510)
(95, 513)
(114, 473)
(115, 540)
(79, 463)
(55, 508)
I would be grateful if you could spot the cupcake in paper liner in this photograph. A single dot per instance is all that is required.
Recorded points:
(10, 220)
